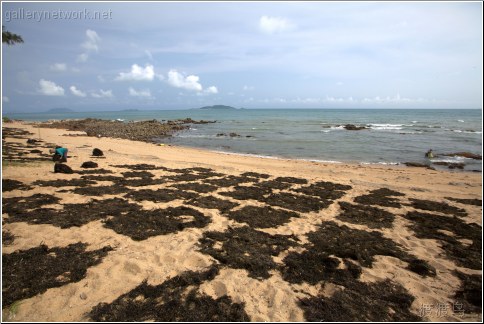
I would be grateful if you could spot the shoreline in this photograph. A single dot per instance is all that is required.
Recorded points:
(205, 185)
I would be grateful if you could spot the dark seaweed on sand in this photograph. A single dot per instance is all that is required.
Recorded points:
(101, 190)
(381, 197)
(318, 262)
(324, 190)
(246, 248)
(474, 202)
(7, 238)
(429, 226)
(9, 185)
(176, 300)
(298, 203)
(194, 186)
(255, 175)
(212, 203)
(140, 167)
(441, 207)
(16, 205)
(73, 214)
(160, 195)
(142, 224)
(469, 293)
(230, 181)
(383, 301)
(137, 174)
(262, 217)
(30, 272)
(365, 215)
(245, 192)
(64, 183)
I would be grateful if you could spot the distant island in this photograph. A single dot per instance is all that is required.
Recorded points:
(219, 107)
(59, 110)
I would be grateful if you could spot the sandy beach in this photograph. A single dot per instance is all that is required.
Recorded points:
(166, 233)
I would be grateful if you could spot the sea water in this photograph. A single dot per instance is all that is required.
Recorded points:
(392, 136)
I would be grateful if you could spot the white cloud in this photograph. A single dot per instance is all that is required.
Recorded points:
(58, 67)
(248, 88)
(138, 73)
(92, 42)
(148, 53)
(77, 92)
(212, 90)
(82, 57)
(103, 94)
(90, 45)
(178, 80)
(141, 93)
(5, 99)
(49, 88)
(272, 25)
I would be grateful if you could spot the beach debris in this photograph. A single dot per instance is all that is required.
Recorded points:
(97, 152)
(354, 127)
(383, 301)
(83, 296)
(372, 217)
(32, 141)
(431, 226)
(440, 207)
(176, 300)
(246, 248)
(381, 197)
(22, 279)
(89, 165)
(10, 184)
(62, 168)
(143, 224)
(262, 217)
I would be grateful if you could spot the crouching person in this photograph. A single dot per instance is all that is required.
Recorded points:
(60, 154)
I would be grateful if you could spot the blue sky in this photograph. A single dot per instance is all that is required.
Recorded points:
(245, 54)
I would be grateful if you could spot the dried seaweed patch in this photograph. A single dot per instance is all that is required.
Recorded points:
(143, 224)
(246, 248)
(366, 215)
(30, 272)
(171, 301)
(262, 217)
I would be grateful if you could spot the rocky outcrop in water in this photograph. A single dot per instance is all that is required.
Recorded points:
(138, 131)
(466, 155)
(354, 127)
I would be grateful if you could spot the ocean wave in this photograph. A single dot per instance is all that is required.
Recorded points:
(386, 126)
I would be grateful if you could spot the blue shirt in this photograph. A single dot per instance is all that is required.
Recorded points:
(62, 151)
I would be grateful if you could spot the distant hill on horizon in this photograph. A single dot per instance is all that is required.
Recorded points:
(218, 107)
(59, 110)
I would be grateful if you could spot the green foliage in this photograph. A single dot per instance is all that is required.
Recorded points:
(10, 38)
